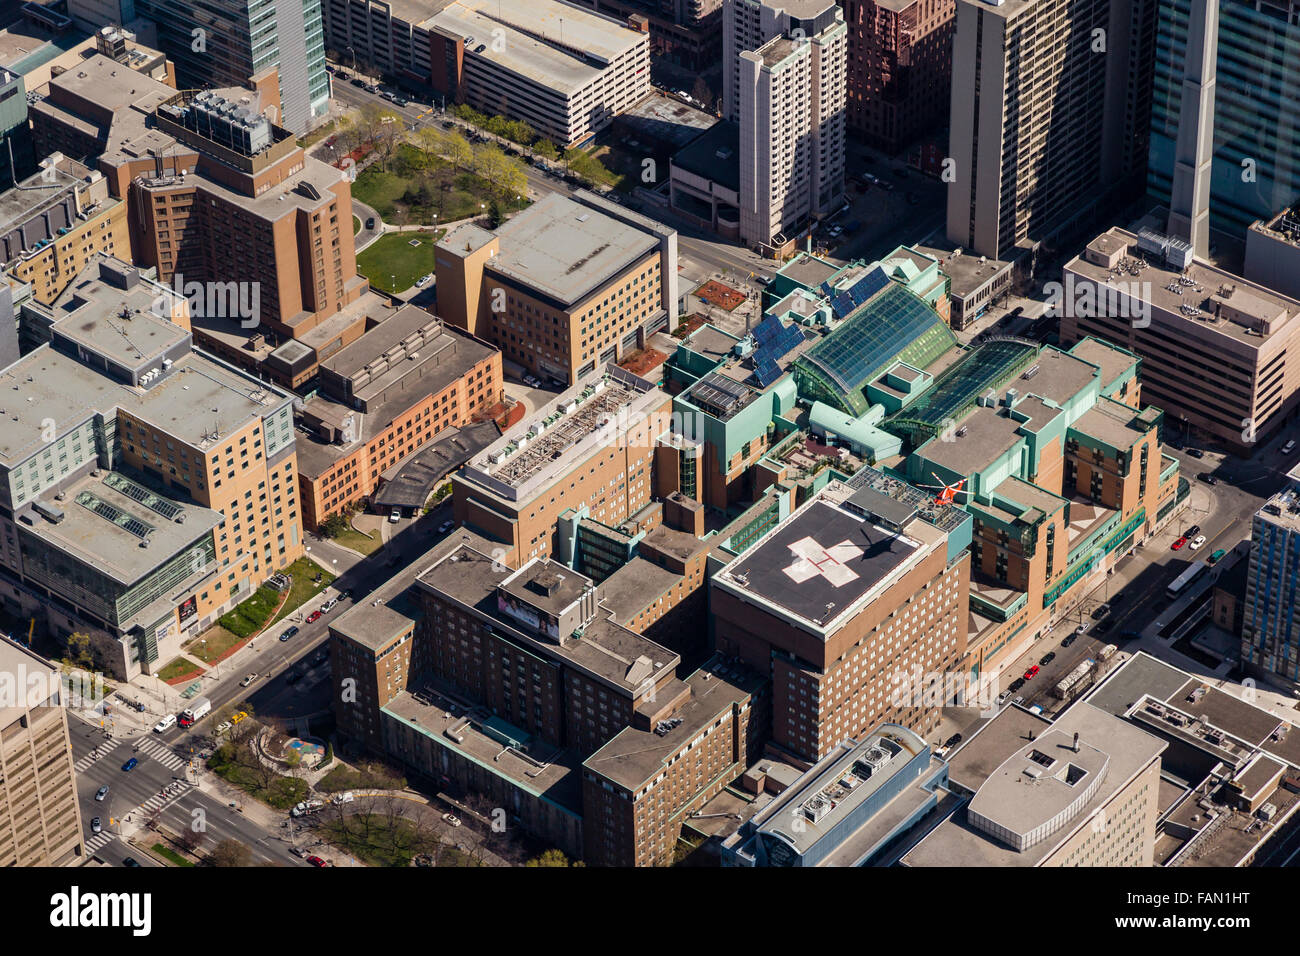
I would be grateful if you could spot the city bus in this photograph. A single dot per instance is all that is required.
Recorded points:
(1187, 577)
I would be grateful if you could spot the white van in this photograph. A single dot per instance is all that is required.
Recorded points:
(167, 723)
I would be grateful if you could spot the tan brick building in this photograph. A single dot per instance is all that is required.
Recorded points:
(53, 222)
(218, 196)
(40, 817)
(566, 458)
(385, 397)
(563, 287)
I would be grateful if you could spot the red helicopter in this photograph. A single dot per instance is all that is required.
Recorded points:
(947, 493)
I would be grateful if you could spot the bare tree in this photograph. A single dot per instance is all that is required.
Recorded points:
(230, 853)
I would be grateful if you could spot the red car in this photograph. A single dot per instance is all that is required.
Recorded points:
(317, 861)
(1179, 543)
(313, 617)
(1031, 673)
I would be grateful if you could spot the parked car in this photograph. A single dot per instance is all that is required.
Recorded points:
(130, 861)
(1197, 543)
(1214, 558)
(1288, 447)
(1177, 545)
(358, 82)
(424, 280)
(401, 101)
(395, 515)
(1003, 697)
(1196, 452)
(445, 527)
(1104, 627)
(130, 765)
(316, 861)
(1100, 611)
(1082, 628)
(451, 819)
(95, 825)
(1208, 478)
(248, 679)
(372, 88)
(329, 605)
(1069, 639)
(1192, 532)
(102, 792)
(289, 632)
(313, 617)
(341, 798)
(1019, 702)
(1047, 658)
(166, 723)
(239, 716)
(1031, 673)
(952, 741)
(222, 727)
(1016, 684)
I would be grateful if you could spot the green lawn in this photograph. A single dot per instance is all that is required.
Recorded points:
(176, 668)
(354, 539)
(366, 777)
(304, 589)
(171, 855)
(376, 840)
(385, 189)
(249, 616)
(392, 264)
(356, 225)
(214, 642)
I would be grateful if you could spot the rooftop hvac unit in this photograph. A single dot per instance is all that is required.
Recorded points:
(817, 808)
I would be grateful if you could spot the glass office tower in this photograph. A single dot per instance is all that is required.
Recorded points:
(1256, 167)
(241, 38)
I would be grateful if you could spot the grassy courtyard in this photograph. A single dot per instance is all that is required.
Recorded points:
(415, 190)
(304, 588)
(357, 541)
(393, 262)
(214, 642)
(178, 667)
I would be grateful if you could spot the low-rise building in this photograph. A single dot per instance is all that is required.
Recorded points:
(563, 287)
(1215, 347)
(854, 807)
(564, 70)
(1034, 790)
(145, 488)
(385, 398)
(53, 222)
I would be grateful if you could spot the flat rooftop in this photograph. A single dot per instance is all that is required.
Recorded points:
(536, 768)
(387, 612)
(634, 587)
(633, 756)
(606, 650)
(818, 566)
(968, 273)
(104, 524)
(196, 399)
(558, 45)
(808, 270)
(822, 799)
(34, 194)
(527, 459)
(988, 434)
(1200, 287)
(714, 156)
(1110, 422)
(1111, 359)
(567, 250)
(996, 749)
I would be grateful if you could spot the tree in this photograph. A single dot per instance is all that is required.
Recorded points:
(432, 144)
(458, 150)
(333, 526)
(230, 853)
(494, 214)
(191, 840)
(545, 149)
(701, 92)
(80, 652)
(551, 858)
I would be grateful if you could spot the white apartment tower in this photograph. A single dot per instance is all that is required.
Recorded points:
(785, 86)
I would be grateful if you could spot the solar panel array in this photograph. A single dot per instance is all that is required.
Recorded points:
(143, 495)
(120, 518)
(845, 301)
(773, 339)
